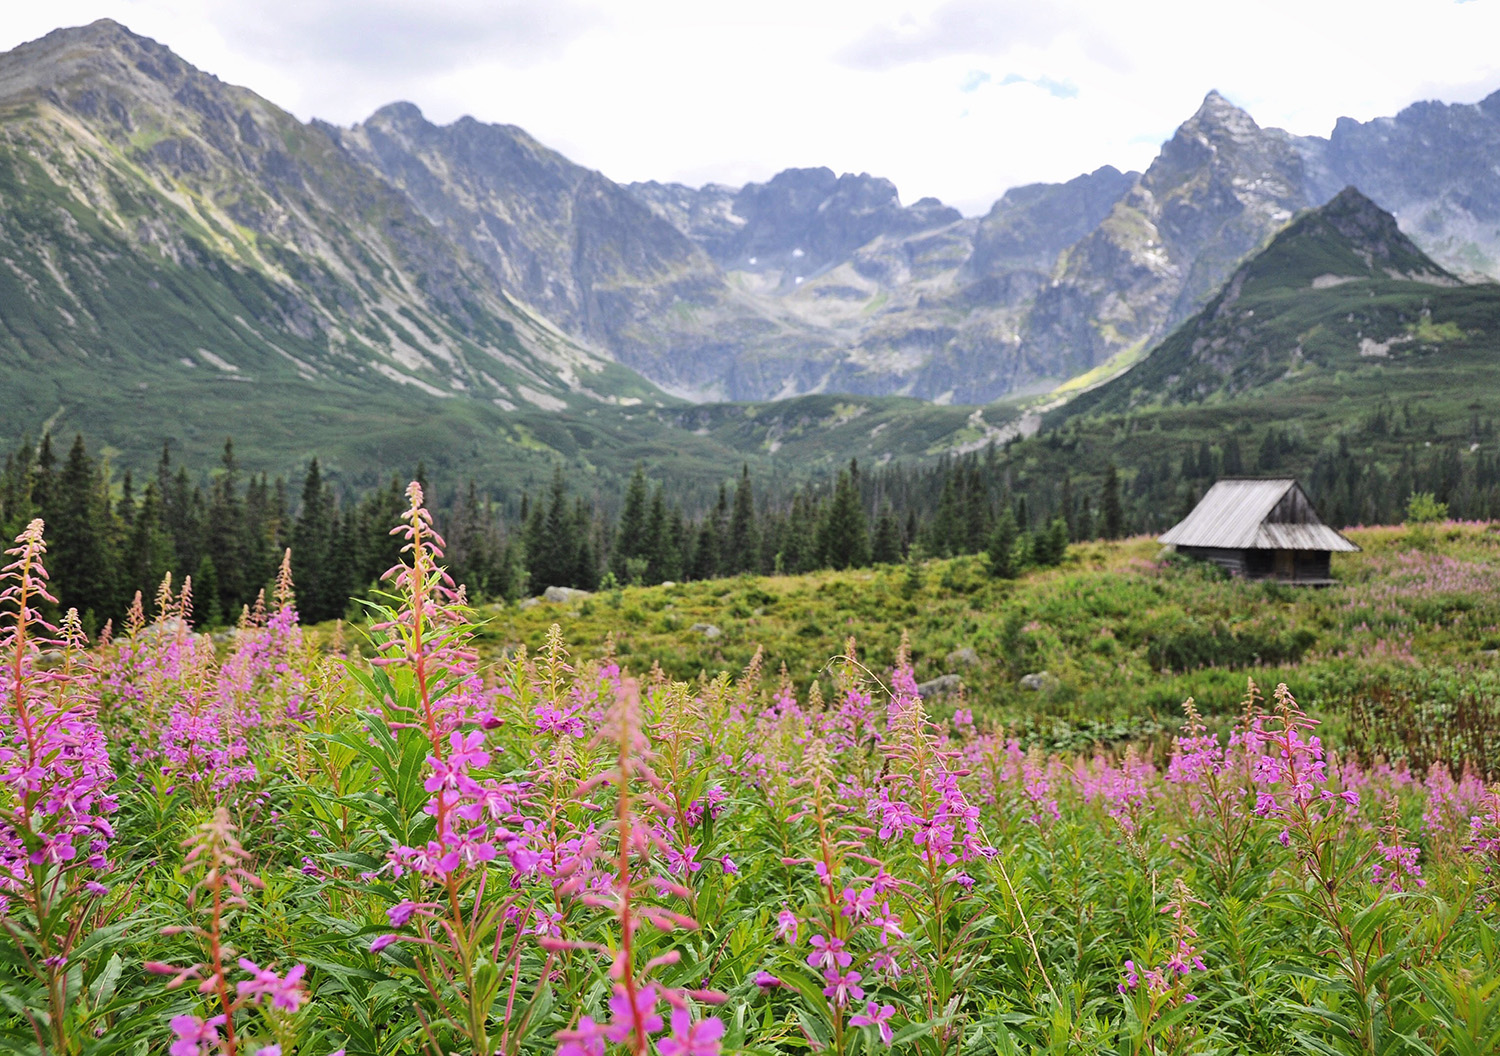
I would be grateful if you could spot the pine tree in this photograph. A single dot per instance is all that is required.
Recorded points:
(846, 532)
(1002, 547)
(886, 547)
(1114, 516)
(742, 546)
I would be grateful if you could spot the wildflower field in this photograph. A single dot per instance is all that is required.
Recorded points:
(287, 844)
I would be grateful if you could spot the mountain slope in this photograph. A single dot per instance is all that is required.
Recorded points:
(579, 248)
(153, 211)
(1436, 166)
(1340, 288)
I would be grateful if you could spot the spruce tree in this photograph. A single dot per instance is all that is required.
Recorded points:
(585, 570)
(846, 532)
(885, 549)
(1067, 509)
(208, 611)
(1002, 547)
(1114, 516)
(311, 543)
(977, 513)
(148, 552)
(742, 547)
(44, 476)
(947, 528)
(224, 542)
(79, 535)
(630, 535)
(658, 541)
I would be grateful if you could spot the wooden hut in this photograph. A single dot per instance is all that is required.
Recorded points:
(1260, 529)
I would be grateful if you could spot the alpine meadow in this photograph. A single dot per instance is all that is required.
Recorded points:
(459, 603)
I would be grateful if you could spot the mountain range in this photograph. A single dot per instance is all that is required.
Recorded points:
(173, 248)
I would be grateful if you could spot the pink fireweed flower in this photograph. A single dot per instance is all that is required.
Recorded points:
(692, 1039)
(285, 992)
(193, 1034)
(857, 904)
(786, 926)
(624, 1017)
(587, 1039)
(875, 1016)
(842, 988)
(1131, 980)
(766, 981)
(828, 953)
(888, 923)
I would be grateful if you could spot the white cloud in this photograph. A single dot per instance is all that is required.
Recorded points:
(957, 98)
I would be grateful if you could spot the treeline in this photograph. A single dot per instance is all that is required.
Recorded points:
(227, 530)
(1020, 504)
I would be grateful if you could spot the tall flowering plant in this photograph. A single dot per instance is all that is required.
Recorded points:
(457, 863)
(56, 792)
(234, 1001)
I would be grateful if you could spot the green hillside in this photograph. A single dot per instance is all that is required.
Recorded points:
(1398, 648)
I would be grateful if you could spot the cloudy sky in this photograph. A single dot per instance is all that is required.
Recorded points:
(954, 98)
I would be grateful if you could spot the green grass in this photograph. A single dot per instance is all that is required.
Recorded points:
(1128, 636)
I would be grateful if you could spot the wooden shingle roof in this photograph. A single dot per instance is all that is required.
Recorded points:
(1252, 514)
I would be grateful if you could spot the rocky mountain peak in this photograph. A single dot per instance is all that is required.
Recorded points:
(1348, 237)
(1217, 120)
(85, 60)
(398, 114)
(1362, 222)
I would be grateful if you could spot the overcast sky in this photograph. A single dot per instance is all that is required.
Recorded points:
(954, 98)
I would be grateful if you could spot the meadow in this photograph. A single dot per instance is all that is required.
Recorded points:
(1399, 658)
(448, 831)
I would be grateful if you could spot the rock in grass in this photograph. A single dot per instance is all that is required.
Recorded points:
(965, 657)
(939, 687)
(708, 630)
(563, 594)
(1040, 681)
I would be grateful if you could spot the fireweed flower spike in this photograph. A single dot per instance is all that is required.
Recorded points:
(56, 781)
